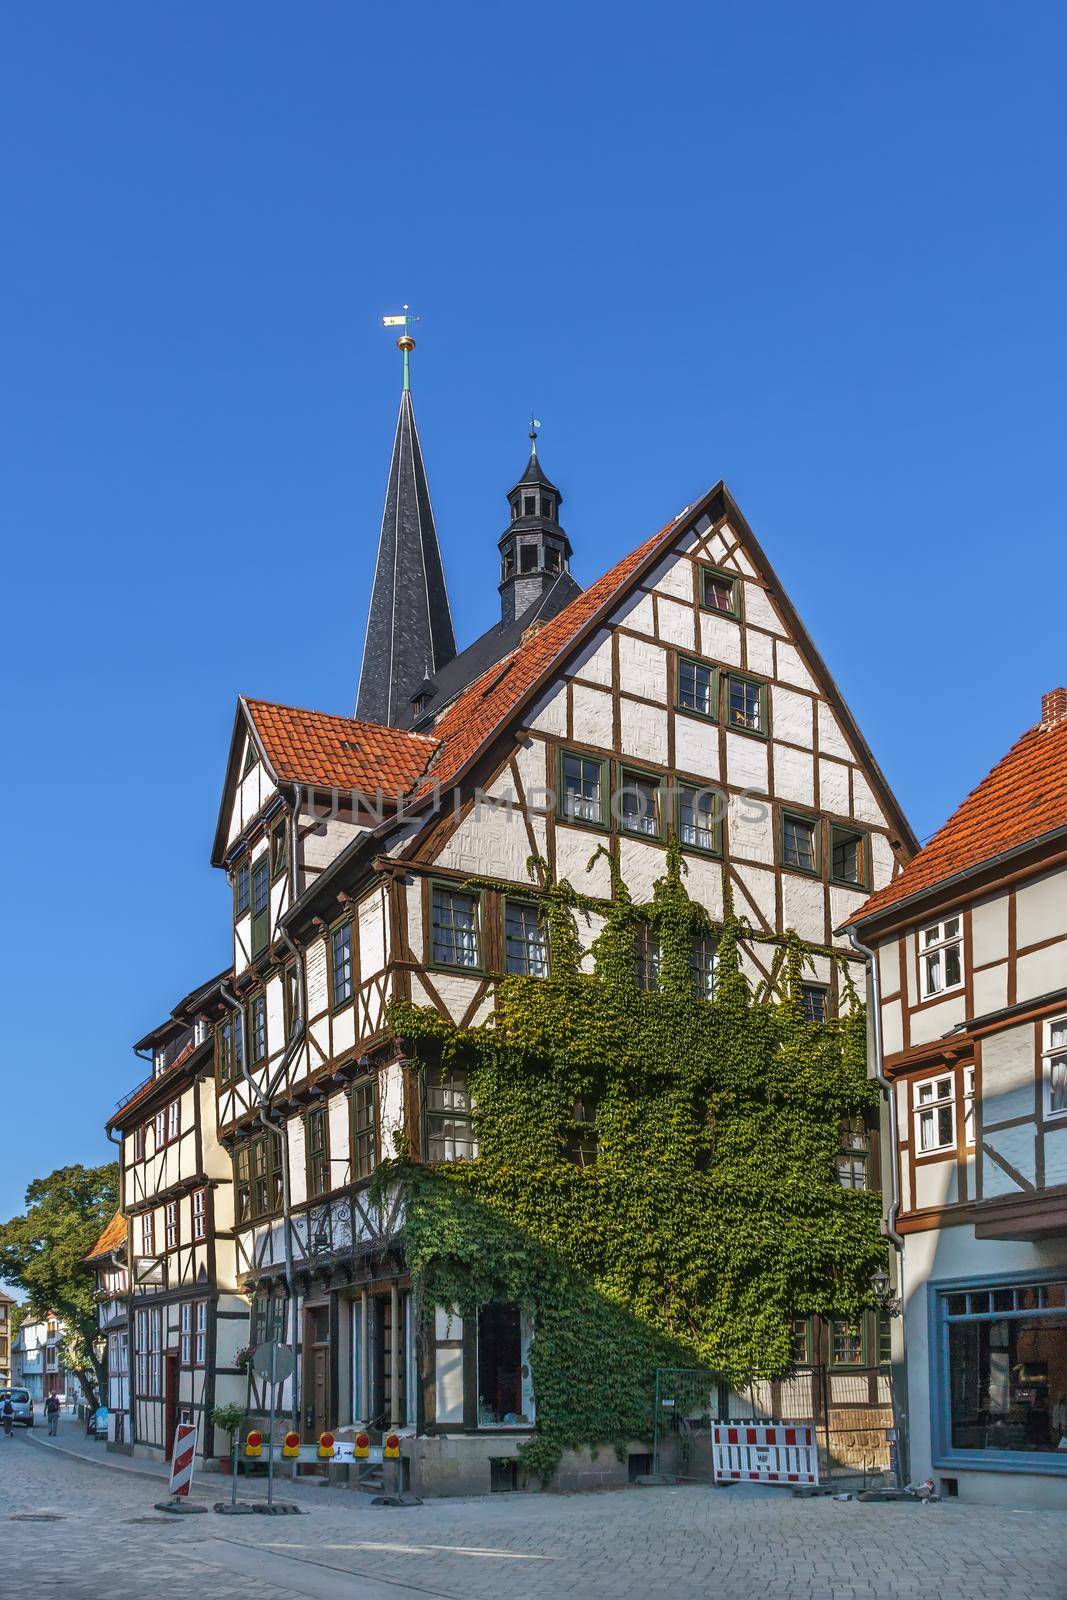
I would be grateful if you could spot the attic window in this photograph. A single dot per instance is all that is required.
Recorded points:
(250, 757)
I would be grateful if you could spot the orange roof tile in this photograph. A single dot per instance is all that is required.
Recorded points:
(1024, 797)
(113, 1236)
(316, 748)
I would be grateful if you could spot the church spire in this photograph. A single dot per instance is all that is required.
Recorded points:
(409, 628)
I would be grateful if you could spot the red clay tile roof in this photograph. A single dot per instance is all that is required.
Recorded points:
(113, 1236)
(480, 710)
(1024, 797)
(315, 748)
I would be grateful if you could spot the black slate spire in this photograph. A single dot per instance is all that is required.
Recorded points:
(409, 629)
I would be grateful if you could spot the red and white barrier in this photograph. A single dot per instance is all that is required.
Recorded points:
(181, 1461)
(772, 1452)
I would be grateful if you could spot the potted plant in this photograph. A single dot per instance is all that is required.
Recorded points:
(229, 1419)
(243, 1359)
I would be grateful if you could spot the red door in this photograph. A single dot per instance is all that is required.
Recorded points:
(170, 1403)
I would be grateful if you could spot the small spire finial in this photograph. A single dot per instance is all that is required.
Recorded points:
(534, 425)
(405, 342)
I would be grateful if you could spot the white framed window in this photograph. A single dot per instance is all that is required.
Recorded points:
(160, 1128)
(1054, 1062)
(941, 956)
(185, 1341)
(199, 1213)
(148, 1233)
(200, 1333)
(968, 1107)
(170, 1224)
(173, 1119)
(935, 1114)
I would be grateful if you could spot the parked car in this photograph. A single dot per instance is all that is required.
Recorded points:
(21, 1404)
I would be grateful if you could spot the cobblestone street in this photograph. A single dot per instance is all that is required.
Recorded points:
(103, 1538)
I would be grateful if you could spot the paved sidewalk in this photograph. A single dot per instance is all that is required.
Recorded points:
(81, 1534)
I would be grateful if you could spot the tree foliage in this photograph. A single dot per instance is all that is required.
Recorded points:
(43, 1252)
(711, 1216)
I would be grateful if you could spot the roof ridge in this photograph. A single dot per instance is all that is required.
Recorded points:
(337, 716)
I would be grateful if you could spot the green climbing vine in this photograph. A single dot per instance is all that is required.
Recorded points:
(709, 1215)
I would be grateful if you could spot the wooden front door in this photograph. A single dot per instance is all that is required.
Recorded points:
(170, 1402)
(316, 1371)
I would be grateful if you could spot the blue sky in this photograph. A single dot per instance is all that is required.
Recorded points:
(818, 252)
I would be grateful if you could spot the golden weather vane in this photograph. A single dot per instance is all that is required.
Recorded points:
(405, 341)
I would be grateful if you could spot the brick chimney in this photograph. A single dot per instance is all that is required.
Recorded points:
(1053, 708)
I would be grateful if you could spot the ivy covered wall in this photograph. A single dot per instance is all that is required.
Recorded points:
(707, 1214)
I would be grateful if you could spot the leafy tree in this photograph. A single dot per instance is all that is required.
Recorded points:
(43, 1252)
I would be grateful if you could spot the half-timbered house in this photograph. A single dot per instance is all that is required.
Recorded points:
(971, 950)
(185, 1320)
(370, 861)
(108, 1262)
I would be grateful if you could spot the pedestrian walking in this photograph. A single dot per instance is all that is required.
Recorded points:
(7, 1413)
(51, 1411)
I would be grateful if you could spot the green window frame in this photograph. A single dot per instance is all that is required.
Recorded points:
(581, 1139)
(848, 1343)
(803, 1342)
(583, 789)
(850, 852)
(455, 927)
(720, 591)
(260, 906)
(257, 1032)
(224, 1051)
(697, 823)
(279, 849)
(696, 688)
(799, 841)
(638, 804)
(257, 1177)
(341, 987)
(450, 1132)
(242, 1183)
(744, 705)
(883, 1334)
(317, 1151)
(703, 956)
(363, 1105)
(242, 892)
(525, 939)
(815, 1001)
(646, 958)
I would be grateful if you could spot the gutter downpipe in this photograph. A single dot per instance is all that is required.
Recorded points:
(892, 1232)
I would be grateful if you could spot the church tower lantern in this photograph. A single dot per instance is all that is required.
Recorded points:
(534, 550)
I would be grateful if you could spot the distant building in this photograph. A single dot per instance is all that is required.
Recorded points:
(6, 1304)
(27, 1358)
(971, 945)
(186, 1320)
(108, 1260)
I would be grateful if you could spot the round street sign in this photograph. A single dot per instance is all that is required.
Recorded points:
(282, 1355)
